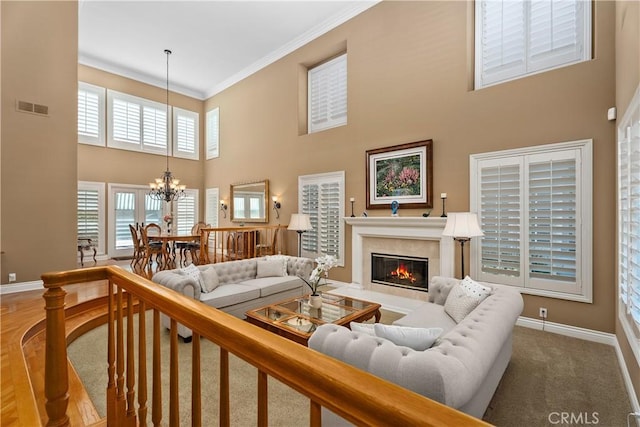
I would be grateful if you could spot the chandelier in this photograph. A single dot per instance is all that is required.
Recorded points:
(167, 188)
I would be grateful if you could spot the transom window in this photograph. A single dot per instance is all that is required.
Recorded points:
(327, 94)
(516, 38)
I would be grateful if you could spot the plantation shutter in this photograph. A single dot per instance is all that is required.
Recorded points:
(186, 214)
(213, 133)
(553, 213)
(515, 38)
(212, 206)
(329, 221)
(310, 206)
(90, 114)
(629, 211)
(137, 123)
(327, 94)
(500, 218)
(321, 197)
(501, 40)
(126, 121)
(185, 135)
(89, 214)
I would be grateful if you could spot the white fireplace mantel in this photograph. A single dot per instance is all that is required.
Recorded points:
(418, 228)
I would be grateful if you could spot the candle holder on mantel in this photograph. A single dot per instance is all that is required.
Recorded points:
(443, 196)
(352, 200)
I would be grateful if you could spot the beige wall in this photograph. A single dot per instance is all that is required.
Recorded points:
(627, 33)
(39, 154)
(409, 73)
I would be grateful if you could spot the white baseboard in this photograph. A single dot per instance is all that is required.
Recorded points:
(12, 288)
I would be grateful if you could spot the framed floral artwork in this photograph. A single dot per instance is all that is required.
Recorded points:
(402, 173)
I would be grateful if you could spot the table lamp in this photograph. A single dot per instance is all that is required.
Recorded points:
(300, 223)
(462, 226)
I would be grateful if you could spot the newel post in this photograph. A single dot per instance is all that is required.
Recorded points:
(56, 380)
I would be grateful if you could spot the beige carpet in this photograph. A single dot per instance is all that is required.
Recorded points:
(548, 375)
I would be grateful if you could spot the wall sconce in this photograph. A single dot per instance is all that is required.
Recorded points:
(276, 206)
(223, 208)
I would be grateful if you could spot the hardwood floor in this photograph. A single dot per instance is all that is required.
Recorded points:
(22, 354)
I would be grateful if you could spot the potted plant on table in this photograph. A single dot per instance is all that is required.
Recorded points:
(324, 264)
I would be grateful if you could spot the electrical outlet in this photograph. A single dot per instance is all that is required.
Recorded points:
(543, 312)
(12, 277)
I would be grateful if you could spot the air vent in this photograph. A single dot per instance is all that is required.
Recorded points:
(29, 107)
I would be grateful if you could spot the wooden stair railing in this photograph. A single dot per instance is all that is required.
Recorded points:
(232, 243)
(357, 396)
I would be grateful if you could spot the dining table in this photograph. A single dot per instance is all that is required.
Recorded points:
(168, 247)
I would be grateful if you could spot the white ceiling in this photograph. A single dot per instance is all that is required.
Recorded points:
(215, 43)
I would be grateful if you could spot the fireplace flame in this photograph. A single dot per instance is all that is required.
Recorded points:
(403, 274)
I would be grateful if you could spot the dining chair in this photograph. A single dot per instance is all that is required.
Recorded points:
(138, 250)
(151, 247)
(192, 247)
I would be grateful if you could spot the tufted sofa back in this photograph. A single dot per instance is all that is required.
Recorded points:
(234, 271)
(439, 289)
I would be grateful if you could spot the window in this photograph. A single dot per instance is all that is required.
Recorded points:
(186, 134)
(212, 206)
(321, 196)
(534, 206)
(136, 123)
(186, 212)
(213, 133)
(629, 223)
(327, 94)
(515, 38)
(91, 213)
(90, 114)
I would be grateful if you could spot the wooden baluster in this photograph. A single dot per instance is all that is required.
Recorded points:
(131, 368)
(263, 399)
(120, 402)
(224, 388)
(112, 414)
(174, 395)
(142, 364)
(196, 388)
(315, 414)
(156, 416)
(55, 369)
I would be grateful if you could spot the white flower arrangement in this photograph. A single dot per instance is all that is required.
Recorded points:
(324, 264)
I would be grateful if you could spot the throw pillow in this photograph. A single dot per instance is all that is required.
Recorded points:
(210, 279)
(269, 268)
(283, 259)
(365, 328)
(459, 304)
(193, 272)
(475, 289)
(416, 338)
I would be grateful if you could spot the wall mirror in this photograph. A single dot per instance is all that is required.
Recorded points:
(249, 202)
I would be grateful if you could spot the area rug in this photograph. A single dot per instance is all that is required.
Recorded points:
(88, 354)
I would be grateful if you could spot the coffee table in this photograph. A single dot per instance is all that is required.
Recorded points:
(296, 320)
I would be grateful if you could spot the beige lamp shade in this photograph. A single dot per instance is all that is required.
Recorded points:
(299, 222)
(462, 224)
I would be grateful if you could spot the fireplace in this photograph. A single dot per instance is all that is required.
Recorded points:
(402, 271)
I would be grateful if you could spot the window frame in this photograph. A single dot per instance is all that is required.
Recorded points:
(100, 188)
(626, 134)
(191, 115)
(320, 179)
(530, 65)
(140, 146)
(101, 94)
(212, 206)
(583, 286)
(212, 134)
(331, 68)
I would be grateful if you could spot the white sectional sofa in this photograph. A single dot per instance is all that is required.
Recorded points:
(461, 370)
(238, 286)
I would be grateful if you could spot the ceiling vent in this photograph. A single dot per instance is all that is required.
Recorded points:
(29, 107)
